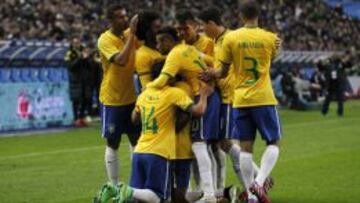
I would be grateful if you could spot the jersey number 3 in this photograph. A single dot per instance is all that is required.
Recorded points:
(253, 70)
(148, 121)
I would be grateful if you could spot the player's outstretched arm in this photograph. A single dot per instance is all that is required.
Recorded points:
(199, 108)
(159, 82)
(122, 58)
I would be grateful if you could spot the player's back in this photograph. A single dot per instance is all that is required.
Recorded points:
(157, 108)
(251, 50)
(186, 61)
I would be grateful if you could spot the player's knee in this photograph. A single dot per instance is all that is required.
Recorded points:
(113, 143)
(247, 146)
(273, 142)
(225, 145)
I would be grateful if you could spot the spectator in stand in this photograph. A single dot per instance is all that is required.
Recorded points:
(304, 25)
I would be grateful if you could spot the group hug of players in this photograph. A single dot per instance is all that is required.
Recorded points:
(202, 96)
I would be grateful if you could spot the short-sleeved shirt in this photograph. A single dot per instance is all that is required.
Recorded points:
(206, 46)
(186, 61)
(227, 84)
(145, 58)
(251, 51)
(117, 86)
(157, 108)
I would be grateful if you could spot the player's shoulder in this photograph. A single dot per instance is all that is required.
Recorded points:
(267, 33)
(107, 37)
(181, 50)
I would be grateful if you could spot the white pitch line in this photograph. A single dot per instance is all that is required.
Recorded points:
(50, 152)
(123, 144)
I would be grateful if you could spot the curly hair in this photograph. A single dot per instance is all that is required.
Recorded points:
(144, 31)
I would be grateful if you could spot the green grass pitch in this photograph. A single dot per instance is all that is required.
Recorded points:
(319, 162)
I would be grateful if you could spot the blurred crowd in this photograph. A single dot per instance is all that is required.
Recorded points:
(304, 25)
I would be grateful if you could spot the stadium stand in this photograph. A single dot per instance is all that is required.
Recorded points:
(36, 35)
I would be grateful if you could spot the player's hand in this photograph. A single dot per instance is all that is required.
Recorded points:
(278, 43)
(208, 75)
(133, 24)
(206, 90)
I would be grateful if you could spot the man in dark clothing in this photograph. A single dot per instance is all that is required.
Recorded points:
(335, 84)
(77, 61)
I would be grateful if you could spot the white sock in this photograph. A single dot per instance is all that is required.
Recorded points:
(204, 164)
(145, 195)
(214, 171)
(247, 169)
(256, 169)
(234, 154)
(220, 157)
(112, 164)
(268, 161)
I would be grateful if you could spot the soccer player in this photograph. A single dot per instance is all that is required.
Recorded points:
(157, 144)
(186, 61)
(211, 22)
(251, 49)
(188, 31)
(146, 56)
(117, 92)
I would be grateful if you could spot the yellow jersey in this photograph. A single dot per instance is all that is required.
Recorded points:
(183, 138)
(145, 58)
(157, 108)
(251, 51)
(227, 84)
(117, 86)
(186, 61)
(206, 46)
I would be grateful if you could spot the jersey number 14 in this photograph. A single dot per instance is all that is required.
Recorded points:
(148, 121)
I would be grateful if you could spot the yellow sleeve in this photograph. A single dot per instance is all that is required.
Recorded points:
(107, 48)
(181, 99)
(159, 82)
(172, 64)
(225, 55)
(143, 68)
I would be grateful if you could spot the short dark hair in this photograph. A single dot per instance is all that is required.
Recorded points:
(143, 32)
(111, 10)
(250, 9)
(211, 14)
(184, 15)
(171, 31)
(156, 69)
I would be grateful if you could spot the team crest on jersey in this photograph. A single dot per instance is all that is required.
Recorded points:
(111, 128)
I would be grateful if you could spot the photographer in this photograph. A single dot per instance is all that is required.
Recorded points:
(78, 62)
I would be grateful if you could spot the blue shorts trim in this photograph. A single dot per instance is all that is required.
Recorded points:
(248, 120)
(181, 173)
(207, 127)
(226, 122)
(116, 120)
(152, 172)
